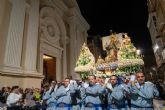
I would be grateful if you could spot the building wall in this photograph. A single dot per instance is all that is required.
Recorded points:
(156, 25)
(31, 28)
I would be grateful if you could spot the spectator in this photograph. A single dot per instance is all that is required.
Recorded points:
(14, 98)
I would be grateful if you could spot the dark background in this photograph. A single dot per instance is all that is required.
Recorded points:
(128, 16)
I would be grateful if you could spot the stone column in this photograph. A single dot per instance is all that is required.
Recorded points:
(64, 58)
(4, 22)
(30, 53)
(79, 42)
(72, 29)
(58, 66)
(13, 50)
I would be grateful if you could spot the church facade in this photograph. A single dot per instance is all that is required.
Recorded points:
(40, 40)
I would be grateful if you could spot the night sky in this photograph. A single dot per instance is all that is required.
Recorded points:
(128, 16)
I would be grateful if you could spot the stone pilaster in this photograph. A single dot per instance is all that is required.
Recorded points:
(12, 58)
(58, 66)
(64, 58)
(2, 8)
(4, 22)
(30, 50)
(72, 29)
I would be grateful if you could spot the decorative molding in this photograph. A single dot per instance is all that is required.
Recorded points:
(48, 43)
(50, 29)
(26, 75)
(72, 3)
(51, 12)
(59, 6)
(56, 50)
(12, 69)
(74, 15)
(18, 72)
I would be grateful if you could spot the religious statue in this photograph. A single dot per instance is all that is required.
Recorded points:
(112, 49)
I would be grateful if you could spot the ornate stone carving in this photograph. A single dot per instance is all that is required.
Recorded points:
(49, 27)
(50, 30)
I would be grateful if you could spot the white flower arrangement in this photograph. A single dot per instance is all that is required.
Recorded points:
(130, 62)
(86, 60)
(84, 68)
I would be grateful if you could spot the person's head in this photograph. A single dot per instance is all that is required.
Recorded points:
(140, 77)
(102, 79)
(98, 80)
(46, 87)
(5, 89)
(113, 80)
(92, 79)
(15, 89)
(53, 83)
(66, 82)
(79, 82)
(20, 90)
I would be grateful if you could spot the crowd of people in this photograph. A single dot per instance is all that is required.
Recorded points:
(94, 93)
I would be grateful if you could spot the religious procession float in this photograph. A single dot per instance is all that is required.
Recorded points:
(122, 58)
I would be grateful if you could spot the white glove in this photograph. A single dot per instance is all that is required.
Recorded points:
(137, 85)
(74, 82)
(106, 80)
(71, 81)
(86, 85)
(50, 89)
(55, 88)
(132, 78)
(109, 86)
